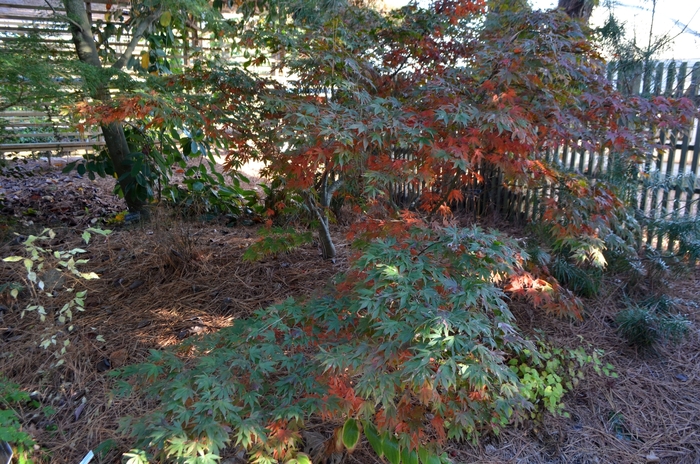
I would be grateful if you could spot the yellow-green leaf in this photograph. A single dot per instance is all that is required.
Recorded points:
(165, 19)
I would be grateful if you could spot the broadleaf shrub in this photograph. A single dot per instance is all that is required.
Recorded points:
(52, 278)
(413, 342)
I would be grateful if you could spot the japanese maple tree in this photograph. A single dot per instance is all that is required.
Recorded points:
(461, 92)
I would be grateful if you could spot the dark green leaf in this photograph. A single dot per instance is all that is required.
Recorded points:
(409, 456)
(375, 441)
(391, 449)
(351, 433)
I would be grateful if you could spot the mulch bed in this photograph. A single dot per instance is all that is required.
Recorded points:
(159, 284)
(168, 280)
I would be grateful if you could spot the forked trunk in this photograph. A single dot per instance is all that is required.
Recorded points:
(325, 194)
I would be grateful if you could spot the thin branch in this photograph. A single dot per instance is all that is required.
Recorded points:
(137, 35)
(80, 28)
(685, 26)
(668, 38)
(17, 101)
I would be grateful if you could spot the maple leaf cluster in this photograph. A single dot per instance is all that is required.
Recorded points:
(430, 99)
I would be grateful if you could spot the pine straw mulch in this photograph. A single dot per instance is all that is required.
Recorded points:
(651, 410)
(159, 284)
(168, 280)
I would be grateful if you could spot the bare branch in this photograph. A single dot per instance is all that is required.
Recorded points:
(685, 26)
(17, 101)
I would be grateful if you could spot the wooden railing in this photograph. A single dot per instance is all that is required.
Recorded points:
(47, 132)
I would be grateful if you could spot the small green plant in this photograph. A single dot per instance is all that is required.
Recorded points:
(618, 424)
(582, 280)
(51, 278)
(12, 288)
(10, 428)
(652, 322)
(276, 240)
(547, 378)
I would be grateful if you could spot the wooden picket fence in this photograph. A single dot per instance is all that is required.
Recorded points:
(668, 185)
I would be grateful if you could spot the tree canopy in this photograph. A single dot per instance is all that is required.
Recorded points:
(455, 86)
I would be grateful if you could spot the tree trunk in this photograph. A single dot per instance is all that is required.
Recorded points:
(324, 232)
(324, 236)
(115, 140)
(325, 194)
(580, 9)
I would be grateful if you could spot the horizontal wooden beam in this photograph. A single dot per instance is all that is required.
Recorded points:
(44, 135)
(29, 30)
(42, 146)
(32, 18)
(58, 7)
(14, 6)
(20, 114)
(16, 125)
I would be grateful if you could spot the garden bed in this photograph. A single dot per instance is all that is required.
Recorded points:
(170, 279)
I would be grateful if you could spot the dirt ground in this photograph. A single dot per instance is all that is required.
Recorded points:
(170, 279)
